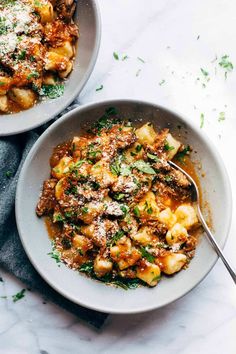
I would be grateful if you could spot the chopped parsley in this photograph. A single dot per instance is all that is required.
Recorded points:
(99, 88)
(138, 72)
(8, 174)
(106, 121)
(225, 64)
(162, 82)
(52, 91)
(140, 59)
(34, 75)
(168, 147)
(87, 268)
(204, 72)
(84, 210)
(144, 167)
(221, 116)
(55, 254)
(18, 296)
(180, 156)
(125, 57)
(145, 254)
(117, 236)
(202, 118)
(116, 56)
(152, 157)
(136, 212)
(22, 55)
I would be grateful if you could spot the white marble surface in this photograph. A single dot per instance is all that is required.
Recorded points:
(163, 33)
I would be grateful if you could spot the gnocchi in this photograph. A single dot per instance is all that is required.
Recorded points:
(127, 225)
(37, 51)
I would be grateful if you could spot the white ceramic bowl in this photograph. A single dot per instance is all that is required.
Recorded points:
(88, 292)
(87, 16)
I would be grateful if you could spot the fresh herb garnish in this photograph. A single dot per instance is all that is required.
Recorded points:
(181, 154)
(8, 174)
(204, 72)
(152, 157)
(84, 210)
(144, 167)
(138, 72)
(18, 296)
(145, 254)
(168, 147)
(138, 148)
(168, 178)
(140, 59)
(52, 91)
(226, 64)
(117, 236)
(34, 75)
(118, 196)
(136, 211)
(55, 254)
(87, 268)
(221, 116)
(106, 121)
(22, 55)
(202, 117)
(116, 56)
(125, 57)
(162, 82)
(99, 88)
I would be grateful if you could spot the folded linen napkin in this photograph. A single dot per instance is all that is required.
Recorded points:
(13, 151)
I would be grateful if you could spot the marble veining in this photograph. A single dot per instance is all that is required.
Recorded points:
(175, 39)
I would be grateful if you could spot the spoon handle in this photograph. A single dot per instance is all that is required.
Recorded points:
(215, 245)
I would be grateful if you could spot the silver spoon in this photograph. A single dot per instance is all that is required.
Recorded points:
(211, 238)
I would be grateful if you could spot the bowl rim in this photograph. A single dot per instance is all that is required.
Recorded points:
(192, 126)
(98, 21)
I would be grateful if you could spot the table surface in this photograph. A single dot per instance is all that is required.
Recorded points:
(175, 38)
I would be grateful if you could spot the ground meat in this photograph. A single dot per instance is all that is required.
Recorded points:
(47, 199)
(59, 151)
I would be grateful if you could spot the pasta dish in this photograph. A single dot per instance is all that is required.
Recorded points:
(37, 48)
(115, 208)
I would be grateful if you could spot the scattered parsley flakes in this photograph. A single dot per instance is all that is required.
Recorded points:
(136, 212)
(180, 156)
(168, 147)
(204, 72)
(87, 268)
(226, 64)
(152, 157)
(84, 210)
(19, 295)
(198, 37)
(125, 57)
(162, 82)
(52, 91)
(34, 75)
(145, 254)
(140, 59)
(221, 116)
(55, 254)
(144, 167)
(117, 236)
(8, 174)
(138, 72)
(99, 88)
(116, 56)
(202, 118)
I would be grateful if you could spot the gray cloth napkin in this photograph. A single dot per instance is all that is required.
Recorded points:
(13, 151)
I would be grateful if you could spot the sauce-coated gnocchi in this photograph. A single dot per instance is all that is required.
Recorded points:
(123, 214)
(37, 49)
